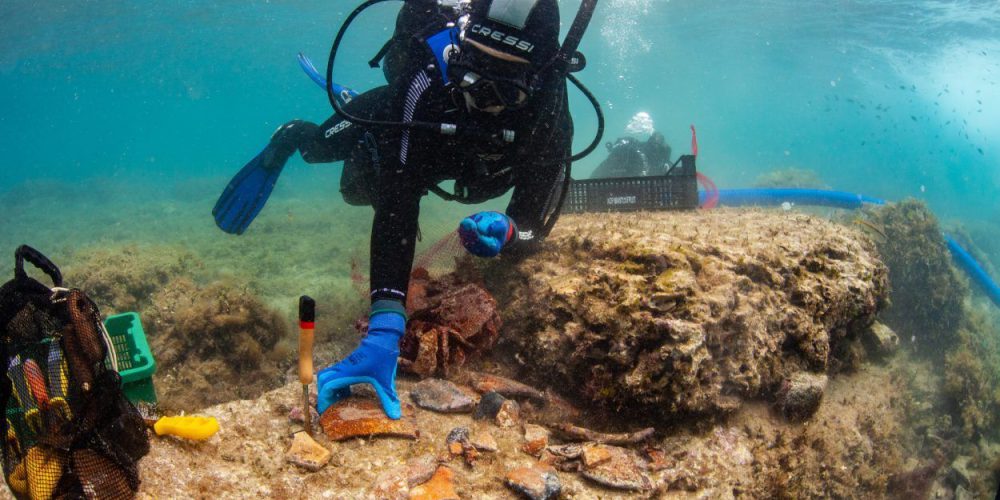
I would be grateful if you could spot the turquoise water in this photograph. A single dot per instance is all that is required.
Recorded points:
(121, 122)
(118, 112)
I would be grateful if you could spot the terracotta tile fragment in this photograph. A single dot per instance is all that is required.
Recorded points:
(441, 486)
(509, 414)
(355, 417)
(594, 454)
(536, 438)
(307, 453)
(536, 483)
(482, 440)
(614, 467)
(395, 483)
(658, 459)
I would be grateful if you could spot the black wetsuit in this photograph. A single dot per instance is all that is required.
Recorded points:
(391, 168)
(629, 157)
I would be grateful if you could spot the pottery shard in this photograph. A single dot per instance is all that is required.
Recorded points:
(595, 454)
(483, 383)
(801, 394)
(307, 453)
(536, 438)
(355, 417)
(458, 440)
(441, 486)
(483, 441)
(614, 467)
(395, 483)
(442, 396)
(535, 483)
(509, 414)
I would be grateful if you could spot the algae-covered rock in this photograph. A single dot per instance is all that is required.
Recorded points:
(214, 344)
(927, 293)
(881, 339)
(688, 312)
(125, 278)
(800, 395)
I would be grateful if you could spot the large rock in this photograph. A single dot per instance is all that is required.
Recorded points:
(688, 312)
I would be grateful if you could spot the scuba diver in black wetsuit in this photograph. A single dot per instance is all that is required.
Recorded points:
(476, 93)
(630, 157)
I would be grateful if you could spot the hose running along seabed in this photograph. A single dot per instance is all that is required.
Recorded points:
(842, 199)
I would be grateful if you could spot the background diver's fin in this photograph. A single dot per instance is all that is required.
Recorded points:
(247, 192)
(343, 93)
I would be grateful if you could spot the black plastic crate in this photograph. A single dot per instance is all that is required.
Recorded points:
(675, 190)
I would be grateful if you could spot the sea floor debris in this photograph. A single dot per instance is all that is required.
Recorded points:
(850, 446)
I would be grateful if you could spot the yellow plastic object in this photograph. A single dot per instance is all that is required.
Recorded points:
(44, 470)
(187, 427)
(18, 480)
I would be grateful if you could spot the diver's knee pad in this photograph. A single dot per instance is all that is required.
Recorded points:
(358, 179)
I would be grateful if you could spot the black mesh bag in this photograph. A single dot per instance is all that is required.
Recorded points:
(69, 431)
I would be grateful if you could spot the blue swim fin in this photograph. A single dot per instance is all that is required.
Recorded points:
(248, 191)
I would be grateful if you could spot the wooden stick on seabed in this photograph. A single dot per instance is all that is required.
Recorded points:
(574, 433)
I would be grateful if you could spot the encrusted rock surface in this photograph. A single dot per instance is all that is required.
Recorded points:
(676, 313)
(848, 449)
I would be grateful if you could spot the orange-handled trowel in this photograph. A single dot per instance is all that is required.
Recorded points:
(307, 327)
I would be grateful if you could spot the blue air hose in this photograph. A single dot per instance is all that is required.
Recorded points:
(973, 269)
(777, 196)
(841, 199)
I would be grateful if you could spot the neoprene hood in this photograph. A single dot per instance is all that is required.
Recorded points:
(528, 29)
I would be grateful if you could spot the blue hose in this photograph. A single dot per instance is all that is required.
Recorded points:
(777, 196)
(973, 269)
(841, 199)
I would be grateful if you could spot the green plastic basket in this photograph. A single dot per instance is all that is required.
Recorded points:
(136, 364)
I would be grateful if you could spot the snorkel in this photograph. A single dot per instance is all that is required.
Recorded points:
(565, 61)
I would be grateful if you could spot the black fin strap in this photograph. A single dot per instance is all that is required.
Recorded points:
(442, 193)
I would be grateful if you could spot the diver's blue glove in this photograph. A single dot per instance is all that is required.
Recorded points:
(373, 362)
(484, 234)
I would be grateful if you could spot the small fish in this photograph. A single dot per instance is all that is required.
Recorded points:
(981, 151)
(914, 118)
(865, 224)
